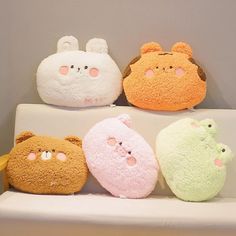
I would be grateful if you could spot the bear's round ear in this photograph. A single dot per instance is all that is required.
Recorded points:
(150, 47)
(24, 136)
(67, 43)
(182, 48)
(126, 119)
(75, 140)
(97, 45)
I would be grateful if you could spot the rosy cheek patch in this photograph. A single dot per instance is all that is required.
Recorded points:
(179, 72)
(111, 141)
(94, 72)
(64, 70)
(31, 156)
(218, 162)
(149, 73)
(61, 156)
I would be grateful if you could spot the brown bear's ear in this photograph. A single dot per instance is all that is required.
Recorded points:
(24, 136)
(150, 47)
(75, 140)
(182, 48)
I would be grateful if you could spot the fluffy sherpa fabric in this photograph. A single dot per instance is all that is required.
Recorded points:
(191, 161)
(47, 165)
(120, 159)
(167, 81)
(76, 78)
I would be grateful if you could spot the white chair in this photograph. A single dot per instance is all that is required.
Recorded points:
(93, 211)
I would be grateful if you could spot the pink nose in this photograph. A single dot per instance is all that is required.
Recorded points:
(121, 151)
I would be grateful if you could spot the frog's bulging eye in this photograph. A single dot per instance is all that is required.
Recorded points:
(209, 125)
(223, 150)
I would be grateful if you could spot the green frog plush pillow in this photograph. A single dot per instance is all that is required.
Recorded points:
(192, 162)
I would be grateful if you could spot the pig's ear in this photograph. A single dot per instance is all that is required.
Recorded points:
(125, 118)
(67, 43)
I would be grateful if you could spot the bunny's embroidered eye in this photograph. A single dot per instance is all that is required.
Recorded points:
(86, 67)
(72, 66)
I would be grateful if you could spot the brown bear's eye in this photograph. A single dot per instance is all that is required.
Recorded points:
(171, 67)
(40, 149)
(53, 150)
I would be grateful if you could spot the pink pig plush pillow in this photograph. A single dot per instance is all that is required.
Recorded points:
(120, 159)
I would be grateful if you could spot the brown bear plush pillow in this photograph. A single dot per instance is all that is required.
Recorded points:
(47, 165)
(167, 81)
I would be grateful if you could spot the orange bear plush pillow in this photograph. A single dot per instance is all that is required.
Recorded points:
(167, 81)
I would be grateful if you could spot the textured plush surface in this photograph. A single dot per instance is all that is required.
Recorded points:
(47, 165)
(120, 159)
(167, 81)
(192, 162)
(76, 78)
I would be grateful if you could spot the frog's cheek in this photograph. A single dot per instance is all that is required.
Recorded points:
(218, 162)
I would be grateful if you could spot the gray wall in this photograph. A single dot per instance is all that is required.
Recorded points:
(30, 30)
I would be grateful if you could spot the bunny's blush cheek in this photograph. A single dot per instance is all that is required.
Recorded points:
(149, 73)
(179, 72)
(93, 72)
(31, 156)
(63, 70)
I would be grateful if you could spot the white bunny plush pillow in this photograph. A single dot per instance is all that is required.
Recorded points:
(76, 78)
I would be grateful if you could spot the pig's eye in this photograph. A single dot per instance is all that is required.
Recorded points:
(120, 143)
(129, 152)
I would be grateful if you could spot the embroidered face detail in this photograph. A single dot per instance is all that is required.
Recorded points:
(120, 159)
(160, 80)
(41, 164)
(76, 78)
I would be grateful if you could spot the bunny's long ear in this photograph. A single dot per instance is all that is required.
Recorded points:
(67, 43)
(97, 45)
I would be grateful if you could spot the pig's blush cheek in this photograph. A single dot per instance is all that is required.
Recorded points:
(111, 141)
(31, 156)
(63, 70)
(61, 156)
(94, 72)
(131, 161)
(149, 73)
(179, 72)
(218, 162)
